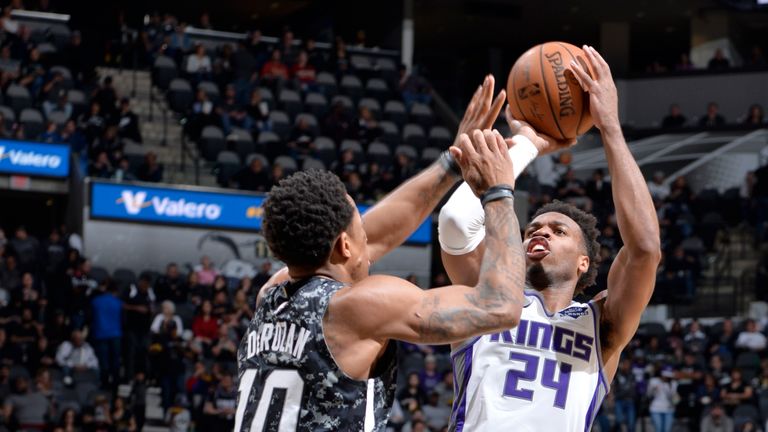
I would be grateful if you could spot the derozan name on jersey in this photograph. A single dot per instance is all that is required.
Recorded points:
(278, 337)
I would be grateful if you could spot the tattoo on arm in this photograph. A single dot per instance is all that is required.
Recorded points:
(501, 283)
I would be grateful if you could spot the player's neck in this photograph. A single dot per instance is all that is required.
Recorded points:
(557, 296)
(330, 271)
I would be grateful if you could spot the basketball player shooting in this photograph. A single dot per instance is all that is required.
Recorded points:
(317, 355)
(551, 371)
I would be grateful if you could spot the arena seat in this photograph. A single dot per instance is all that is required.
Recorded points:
(18, 97)
(394, 111)
(33, 122)
(379, 152)
(326, 150)
(180, 95)
(290, 102)
(316, 103)
(439, 137)
(163, 72)
(372, 104)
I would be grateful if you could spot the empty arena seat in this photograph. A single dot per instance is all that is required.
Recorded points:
(212, 142)
(407, 151)
(18, 97)
(379, 152)
(227, 165)
(290, 102)
(429, 155)
(33, 122)
(352, 86)
(377, 88)
(413, 135)
(394, 111)
(287, 163)
(180, 95)
(281, 124)
(163, 72)
(241, 142)
(267, 96)
(326, 150)
(422, 114)
(355, 147)
(312, 163)
(327, 84)
(390, 133)
(440, 137)
(316, 103)
(9, 117)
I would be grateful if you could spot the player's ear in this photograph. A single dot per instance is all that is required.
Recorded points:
(583, 265)
(343, 245)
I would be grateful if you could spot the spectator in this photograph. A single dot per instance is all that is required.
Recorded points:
(93, 122)
(624, 394)
(30, 408)
(571, 189)
(100, 167)
(180, 42)
(412, 396)
(289, 50)
(315, 57)
(51, 133)
(367, 127)
(25, 333)
(123, 171)
(244, 65)
(675, 118)
(33, 73)
(26, 248)
(61, 105)
(436, 415)
(257, 48)
(756, 57)
(232, 112)
(106, 96)
(150, 170)
(68, 421)
(178, 416)
(128, 122)
(254, 177)
(684, 64)
(221, 405)
(138, 309)
(712, 118)
(598, 191)
(708, 392)
(662, 390)
(108, 332)
(274, 70)
(301, 141)
(258, 110)
(205, 326)
(736, 392)
(341, 58)
(718, 61)
(76, 355)
(338, 124)
(304, 72)
(78, 59)
(751, 339)
(205, 21)
(414, 88)
(755, 116)
(717, 421)
(695, 339)
(657, 188)
(206, 272)
(41, 356)
(171, 285)
(199, 65)
(429, 376)
(163, 319)
(167, 355)
(264, 274)
(10, 276)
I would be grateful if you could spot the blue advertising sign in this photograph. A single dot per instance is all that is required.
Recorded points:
(175, 206)
(178, 206)
(34, 159)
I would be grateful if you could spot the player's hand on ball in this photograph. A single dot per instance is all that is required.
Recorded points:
(484, 160)
(545, 144)
(483, 109)
(603, 97)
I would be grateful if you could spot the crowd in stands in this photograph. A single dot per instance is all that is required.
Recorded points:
(711, 119)
(719, 62)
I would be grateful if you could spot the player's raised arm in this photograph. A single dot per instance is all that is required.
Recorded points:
(462, 221)
(395, 217)
(383, 307)
(633, 274)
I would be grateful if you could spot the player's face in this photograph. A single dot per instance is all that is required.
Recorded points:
(359, 263)
(554, 250)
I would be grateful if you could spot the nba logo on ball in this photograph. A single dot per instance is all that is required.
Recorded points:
(543, 91)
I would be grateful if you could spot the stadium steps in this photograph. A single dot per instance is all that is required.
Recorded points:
(152, 128)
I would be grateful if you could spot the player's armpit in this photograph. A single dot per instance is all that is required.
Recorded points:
(464, 269)
(385, 307)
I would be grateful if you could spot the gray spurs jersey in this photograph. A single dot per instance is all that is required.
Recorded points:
(287, 378)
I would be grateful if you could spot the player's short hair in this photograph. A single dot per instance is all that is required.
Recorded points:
(589, 232)
(303, 216)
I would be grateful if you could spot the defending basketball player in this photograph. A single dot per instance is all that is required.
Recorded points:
(551, 371)
(317, 355)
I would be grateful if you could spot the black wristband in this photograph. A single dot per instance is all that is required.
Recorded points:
(448, 162)
(497, 192)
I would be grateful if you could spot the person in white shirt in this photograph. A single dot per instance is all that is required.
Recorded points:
(750, 338)
(199, 62)
(76, 355)
(167, 315)
(657, 188)
(663, 393)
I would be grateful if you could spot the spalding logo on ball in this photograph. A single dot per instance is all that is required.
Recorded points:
(544, 92)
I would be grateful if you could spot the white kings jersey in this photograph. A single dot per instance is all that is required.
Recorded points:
(544, 374)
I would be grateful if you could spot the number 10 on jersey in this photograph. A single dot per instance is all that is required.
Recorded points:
(513, 386)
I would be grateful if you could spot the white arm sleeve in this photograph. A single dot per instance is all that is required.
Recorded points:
(461, 225)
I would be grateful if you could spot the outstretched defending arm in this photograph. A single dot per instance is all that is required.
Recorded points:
(384, 307)
(633, 274)
(395, 217)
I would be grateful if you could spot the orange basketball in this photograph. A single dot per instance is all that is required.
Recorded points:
(544, 92)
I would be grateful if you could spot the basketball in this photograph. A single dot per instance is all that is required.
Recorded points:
(544, 92)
